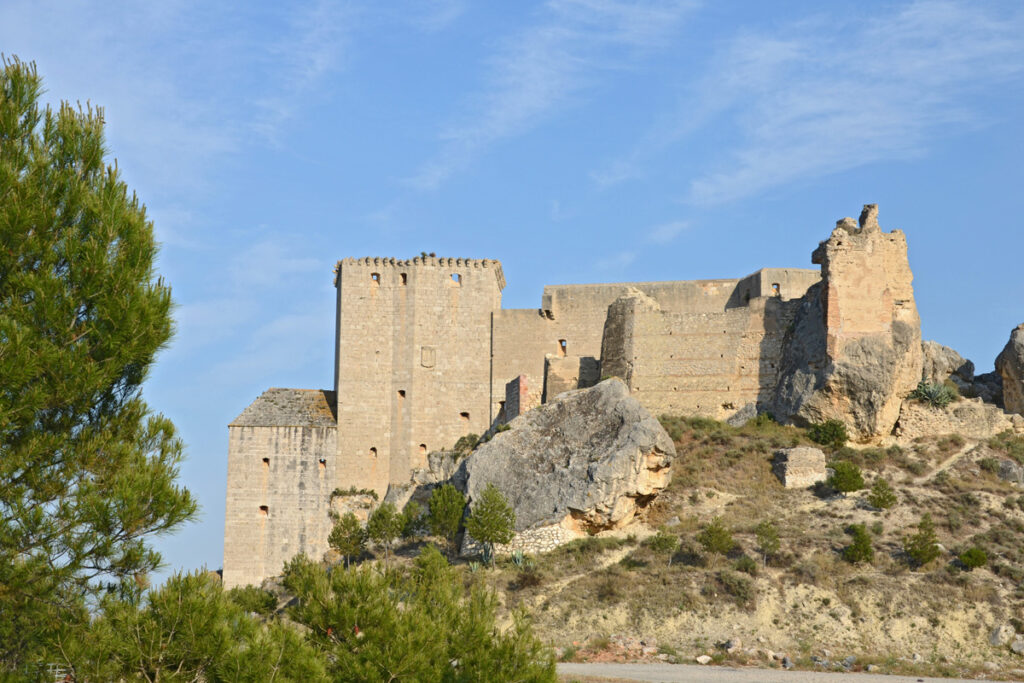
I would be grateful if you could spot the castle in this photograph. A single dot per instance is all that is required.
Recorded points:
(425, 354)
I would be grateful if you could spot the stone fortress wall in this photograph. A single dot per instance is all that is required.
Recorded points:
(425, 354)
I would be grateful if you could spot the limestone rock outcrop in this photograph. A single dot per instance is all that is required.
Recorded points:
(588, 461)
(969, 417)
(1010, 366)
(854, 349)
(940, 363)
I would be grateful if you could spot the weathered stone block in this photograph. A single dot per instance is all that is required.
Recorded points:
(799, 467)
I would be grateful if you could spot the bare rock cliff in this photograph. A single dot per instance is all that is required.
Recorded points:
(588, 461)
(1010, 366)
(854, 350)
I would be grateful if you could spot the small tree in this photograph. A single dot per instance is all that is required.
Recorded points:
(829, 433)
(412, 519)
(716, 537)
(860, 550)
(881, 496)
(846, 477)
(491, 520)
(385, 527)
(348, 537)
(767, 539)
(972, 558)
(664, 543)
(446, 506)
(922, 547)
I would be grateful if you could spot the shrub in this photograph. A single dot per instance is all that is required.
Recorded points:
(767, 539)
(922, 547)
(747, 565)
(881, 495)
(465, 445)
(738, 586)
(384, 527)
(348, 537)
(846, 477)
(764, 420)
(492, 520)
(828, 433)
(938, 395)
(412, 520)
(972, 558)
(860, 549)
(716, 537)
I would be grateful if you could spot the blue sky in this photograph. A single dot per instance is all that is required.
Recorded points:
(574, 140)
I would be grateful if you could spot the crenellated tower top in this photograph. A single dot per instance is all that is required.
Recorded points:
(422, 262)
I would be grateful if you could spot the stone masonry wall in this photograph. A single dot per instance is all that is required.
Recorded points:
(278, 495)
(413, 361)
(521, 395)
(710, 363)
(565, 373)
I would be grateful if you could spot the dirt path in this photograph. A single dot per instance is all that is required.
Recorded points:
(944, 465)
(660, 673)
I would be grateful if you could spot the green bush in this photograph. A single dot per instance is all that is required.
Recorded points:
(937, 395)
(846, 477)
(445, 509)
(881, 496)
(764, 420)
(830, 433)
(972, 558)
(465, 445)
(385, 527)
(738, 586)
(860, 549)
(253, 599)
(716, 537)
(746, 564)
(922, 547)
(664, 543)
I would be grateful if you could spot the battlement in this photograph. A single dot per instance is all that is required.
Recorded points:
(422, 262)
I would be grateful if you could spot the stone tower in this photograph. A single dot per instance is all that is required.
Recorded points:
(413, 366)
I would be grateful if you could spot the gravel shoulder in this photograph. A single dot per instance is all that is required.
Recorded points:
(712, 674)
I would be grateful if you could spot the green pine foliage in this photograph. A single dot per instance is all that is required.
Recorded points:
(830, 433)
(417, 626)
(664, 543)
(860, 550)
(385, 527)
(445, 509)
(716, 537)
(846, 477)
(972, 558)
(767, 536)
(87, 472)
(881, 495)
(922, 547)
(348, 537)
(491, 520)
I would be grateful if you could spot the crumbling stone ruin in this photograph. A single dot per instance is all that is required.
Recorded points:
(425, 354)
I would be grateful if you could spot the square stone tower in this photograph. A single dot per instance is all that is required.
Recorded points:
(413, 361)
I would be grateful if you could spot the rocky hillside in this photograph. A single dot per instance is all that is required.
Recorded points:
(655, 590)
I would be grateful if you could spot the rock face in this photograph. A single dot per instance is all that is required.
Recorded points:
(854, 349)
(588, 461)
(1010, 366)
(969, 417)
(940, 363)
(799, 467)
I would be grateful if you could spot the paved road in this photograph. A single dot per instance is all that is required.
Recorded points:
(694, 673)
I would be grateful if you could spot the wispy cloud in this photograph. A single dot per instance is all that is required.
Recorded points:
(666, 232)
(617, 261)
(545, 66)
(829, 94)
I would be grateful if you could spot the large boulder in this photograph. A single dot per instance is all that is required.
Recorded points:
(588, 461)
(1010, 366)
(854, 349)
(941, 363)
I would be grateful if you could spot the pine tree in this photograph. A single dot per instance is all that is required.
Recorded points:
(923, 547)
(385, 527)
(860, 549)
(87, 472)
(491, 520)
(767, 539)
(348, 537)
(446, 506)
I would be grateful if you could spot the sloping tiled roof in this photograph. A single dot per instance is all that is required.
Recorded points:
(289, 408)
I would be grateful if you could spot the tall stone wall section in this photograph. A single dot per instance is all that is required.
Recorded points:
(710, 363)
(413, 361)
(278, 497)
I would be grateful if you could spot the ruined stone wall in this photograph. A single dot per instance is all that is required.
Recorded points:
(520, 338)
(708, 363)
(565, 373)
(413, 361)
(521, 394)
(278, 494)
